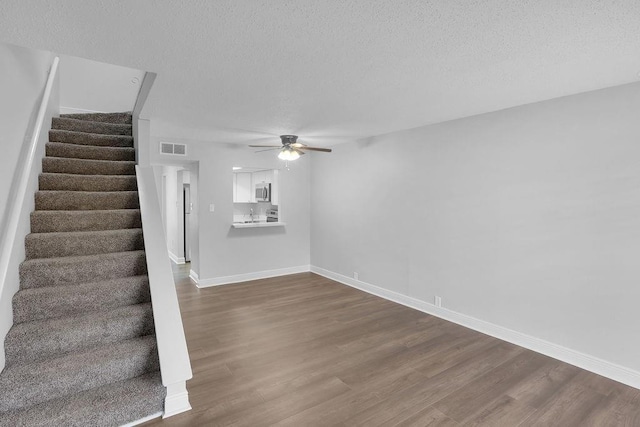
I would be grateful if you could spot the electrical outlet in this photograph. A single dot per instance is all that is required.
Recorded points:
(355, 275)
(437, 301)
(212, 207)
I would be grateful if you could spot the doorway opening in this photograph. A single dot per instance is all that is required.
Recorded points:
(186, 212)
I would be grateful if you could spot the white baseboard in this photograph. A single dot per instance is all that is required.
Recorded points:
(72, 110)
(143, 420)
(590, 363)
(194, 276)
(176, 259)
(227, 280)
(177, 400)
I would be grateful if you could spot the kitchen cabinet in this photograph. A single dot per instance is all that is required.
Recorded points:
(242, 187)
(244, 184)
(261, 177)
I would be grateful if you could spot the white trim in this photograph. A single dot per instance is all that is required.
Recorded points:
(194, 276)
(177, 400)
(227, 280)
(143, 420)
(176, 259)
(590, 363)
(72, 110)
(175, 365)
(145, 88)
(258, 224)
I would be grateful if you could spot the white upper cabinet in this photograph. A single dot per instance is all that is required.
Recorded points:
(261, 177)
(242, 187)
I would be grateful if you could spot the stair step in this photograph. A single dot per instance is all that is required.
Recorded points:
(39, 382)
(30, 342)
(91, 152)
(110, 405)
(73, 300)
(72, 243)
(87, 167)
(122, 118)
(96, 220)
(86, 200)
(75, 125)
(83, 138)
(42, 272)
(76, 182)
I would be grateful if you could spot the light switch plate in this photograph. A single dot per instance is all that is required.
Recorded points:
(212, 207)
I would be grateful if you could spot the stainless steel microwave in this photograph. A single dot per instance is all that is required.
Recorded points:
(263, 192)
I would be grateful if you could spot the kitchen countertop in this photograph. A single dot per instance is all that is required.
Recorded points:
(257, 224)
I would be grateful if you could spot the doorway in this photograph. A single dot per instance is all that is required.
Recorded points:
(187, 207)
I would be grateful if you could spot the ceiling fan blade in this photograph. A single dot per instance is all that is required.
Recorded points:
(297, 145)
(297, 150)
(324, 150)
(266, 146)
(267, 149)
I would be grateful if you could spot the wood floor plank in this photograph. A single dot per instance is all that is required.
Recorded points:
(482, 391)
(337, 410)
(504, 411)
(302, 350)
(621, 408)
(572, 405)
(428, 417)
(414, 399)
(543, 384)
(269, 413)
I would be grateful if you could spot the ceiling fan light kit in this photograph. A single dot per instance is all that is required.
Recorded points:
(288, 153)
(291, 149)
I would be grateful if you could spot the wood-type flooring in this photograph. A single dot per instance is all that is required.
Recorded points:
(302, 350)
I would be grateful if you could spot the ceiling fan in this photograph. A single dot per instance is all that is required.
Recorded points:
(291, 149)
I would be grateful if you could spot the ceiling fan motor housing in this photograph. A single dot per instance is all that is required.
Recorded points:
(288, 139)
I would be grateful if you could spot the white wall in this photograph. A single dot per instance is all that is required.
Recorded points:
(527, 218)
(23, 77)
(87, 86)
(218, 250)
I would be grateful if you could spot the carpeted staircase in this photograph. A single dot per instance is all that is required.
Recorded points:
(82, 350)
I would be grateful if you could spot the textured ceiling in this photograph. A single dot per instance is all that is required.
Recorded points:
(332, 70)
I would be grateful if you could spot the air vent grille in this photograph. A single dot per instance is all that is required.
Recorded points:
(174, 149)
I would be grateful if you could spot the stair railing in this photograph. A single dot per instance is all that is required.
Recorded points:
(175, 366)
(16, 225)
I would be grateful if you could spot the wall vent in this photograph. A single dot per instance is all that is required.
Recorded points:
(171, 148)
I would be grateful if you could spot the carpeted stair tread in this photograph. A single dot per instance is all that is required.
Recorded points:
(29, 342)
(77, 182)
(38, 382)
(122, 118)
(65, 123)
(87, 167)
(72, 300)
(75, 151)
(71, 243)
(96, 220)
(81, 269)
(83, 138)
(107, 406)
(86, 200)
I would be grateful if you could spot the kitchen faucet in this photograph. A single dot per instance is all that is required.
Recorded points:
(251, 214)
